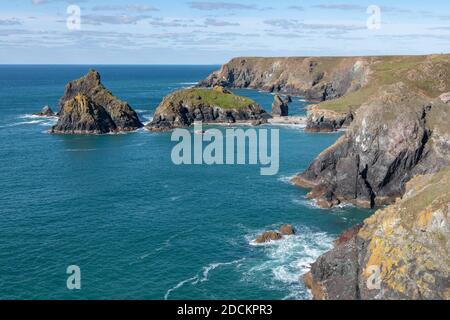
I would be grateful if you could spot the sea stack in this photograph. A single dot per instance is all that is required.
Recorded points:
(87, 107)
(280, 107)
(181, 108)
(45, 112)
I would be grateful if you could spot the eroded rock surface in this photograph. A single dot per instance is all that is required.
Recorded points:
(182, 108)
(402, 252)
(105, 113)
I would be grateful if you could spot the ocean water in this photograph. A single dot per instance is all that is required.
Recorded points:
(138, 226)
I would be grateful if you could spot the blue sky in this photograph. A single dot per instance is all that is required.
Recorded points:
(212, 32)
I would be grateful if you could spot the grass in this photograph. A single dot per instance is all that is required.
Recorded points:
(210, 97)
(428, 75)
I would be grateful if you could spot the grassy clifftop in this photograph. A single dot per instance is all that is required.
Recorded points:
(215, 98)
(426, 75)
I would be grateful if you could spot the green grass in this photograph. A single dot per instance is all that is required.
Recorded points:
(210, 97)
(428, 75)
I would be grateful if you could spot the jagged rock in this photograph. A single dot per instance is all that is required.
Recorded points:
(45, 112)
(321, 120)
(287, 99)
(287, 230)
(81, 115)
(395, 136)
(268, 236)
(182, 108)
(399, 253)
(120, 116)
(279, 107)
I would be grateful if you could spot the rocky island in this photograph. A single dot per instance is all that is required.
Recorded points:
(218, 105)
(395, 152)
(87, 107)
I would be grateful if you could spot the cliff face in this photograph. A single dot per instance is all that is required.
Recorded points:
(341, 85)
(180, 109)
(315, 78)
(81, 115)
(402, 252)
(395, 136)
(120, 116)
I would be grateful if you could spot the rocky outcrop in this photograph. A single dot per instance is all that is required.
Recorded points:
(399, 253)
(45, 112)
(322, 120)
(268, 236)
(396, 135)
(280, 107)
(81, 115)
(182, 108)
(104, 112)
(314, 78)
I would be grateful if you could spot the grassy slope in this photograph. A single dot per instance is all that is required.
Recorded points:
(211, 98)
(427, 75)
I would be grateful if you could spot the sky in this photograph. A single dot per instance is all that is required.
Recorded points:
(212, 32)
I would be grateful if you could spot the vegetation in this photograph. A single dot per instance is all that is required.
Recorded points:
(212, 97)
(426, 75)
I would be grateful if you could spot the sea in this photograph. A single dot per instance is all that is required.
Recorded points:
(135, 224)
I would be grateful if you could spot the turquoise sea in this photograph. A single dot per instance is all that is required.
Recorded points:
(138, 226)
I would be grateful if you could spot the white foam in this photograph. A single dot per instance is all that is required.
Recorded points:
(288, 259)
(286, 179)
(202, 276)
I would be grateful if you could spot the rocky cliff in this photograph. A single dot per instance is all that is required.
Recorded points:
(81, 115)
(341, 85)
(181, 108)
(88, 107)
(315, 78)
(402, 252)
(396, 135)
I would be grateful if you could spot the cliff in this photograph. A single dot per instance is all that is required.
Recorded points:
(81, 115)
(402, 252)
(395, 136)
(340, 84)
(181, 108)
(88, 107)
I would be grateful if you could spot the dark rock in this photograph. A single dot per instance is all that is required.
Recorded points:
(123, 117)
(279, 107)
(287, 99)
(45, 112)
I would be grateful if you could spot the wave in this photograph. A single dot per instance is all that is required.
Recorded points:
(286, 260)
(287, 179)
(202, 276)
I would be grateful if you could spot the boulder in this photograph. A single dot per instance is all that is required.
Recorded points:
(268, 236)
(287, 230)
(279, 107)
